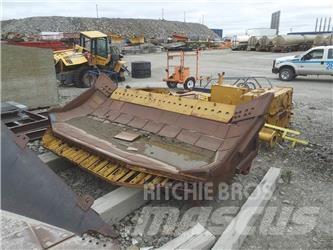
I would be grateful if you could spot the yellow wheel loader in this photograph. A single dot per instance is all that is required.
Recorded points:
(94, 54)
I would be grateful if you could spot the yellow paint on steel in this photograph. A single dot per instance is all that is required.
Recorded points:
(209, 110)
(108, 169)
(99, 166)
(93, 34)
(164, 182)
(68, 151)
(290, 131)
(69, 57)
(138, 178)
(118, 173)
(89, 161)
(268, 135)
(284, 133)
(128, 175)
(156, 180)
(147, 177)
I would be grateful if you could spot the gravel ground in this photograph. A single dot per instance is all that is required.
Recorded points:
(306, 170)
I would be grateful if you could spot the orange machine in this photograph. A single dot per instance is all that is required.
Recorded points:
(181, 74)
(179, 37)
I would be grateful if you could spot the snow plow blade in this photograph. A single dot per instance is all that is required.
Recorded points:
(133, 137)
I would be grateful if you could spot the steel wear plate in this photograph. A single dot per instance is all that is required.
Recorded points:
(30, 188)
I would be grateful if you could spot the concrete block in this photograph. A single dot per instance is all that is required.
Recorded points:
(197, 237)
(28, 76)
(240, 226)
(115, 205)
(48, 157)
(56, 163)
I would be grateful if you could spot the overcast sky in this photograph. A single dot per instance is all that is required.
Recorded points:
(234, 16)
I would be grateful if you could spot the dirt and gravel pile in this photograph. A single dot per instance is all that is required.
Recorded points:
(150, 28)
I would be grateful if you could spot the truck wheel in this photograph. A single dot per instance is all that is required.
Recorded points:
(189, 83)
(286, 74)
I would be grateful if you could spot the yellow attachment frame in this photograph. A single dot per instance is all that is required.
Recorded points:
(286, 133)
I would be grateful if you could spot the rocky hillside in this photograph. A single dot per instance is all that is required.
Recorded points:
(148, 27)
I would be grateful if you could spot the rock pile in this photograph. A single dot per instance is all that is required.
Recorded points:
(127, 27)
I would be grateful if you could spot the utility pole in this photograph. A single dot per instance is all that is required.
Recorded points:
(96, 10)
(184, 16)
(203, 19)
(162, 13)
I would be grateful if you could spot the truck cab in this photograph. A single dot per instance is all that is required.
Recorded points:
(315, 61)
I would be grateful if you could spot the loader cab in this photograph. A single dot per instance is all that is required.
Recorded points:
(97, 44)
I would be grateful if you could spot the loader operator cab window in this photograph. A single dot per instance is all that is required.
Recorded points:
(315, 54)
(85, 42)
(101, 48)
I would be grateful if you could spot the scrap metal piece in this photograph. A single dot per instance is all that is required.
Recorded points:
(49, 236)
(22, 121)
(182, 139)
(30, 188)
(127, 136)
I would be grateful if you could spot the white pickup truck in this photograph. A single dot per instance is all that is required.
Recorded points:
(315, 61)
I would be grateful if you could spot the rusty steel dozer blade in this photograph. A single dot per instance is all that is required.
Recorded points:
(30, 188)
(133, 137)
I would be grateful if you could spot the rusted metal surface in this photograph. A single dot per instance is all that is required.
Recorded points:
(180, 138)
(30, 188)
(25, 122)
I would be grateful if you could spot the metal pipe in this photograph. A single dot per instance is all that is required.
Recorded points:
(268, 135)
(197, 66)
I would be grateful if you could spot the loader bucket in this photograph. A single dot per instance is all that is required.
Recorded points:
(30, 188)
(133, 137)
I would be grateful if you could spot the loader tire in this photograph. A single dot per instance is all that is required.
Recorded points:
(82, 79)
(141, 69)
